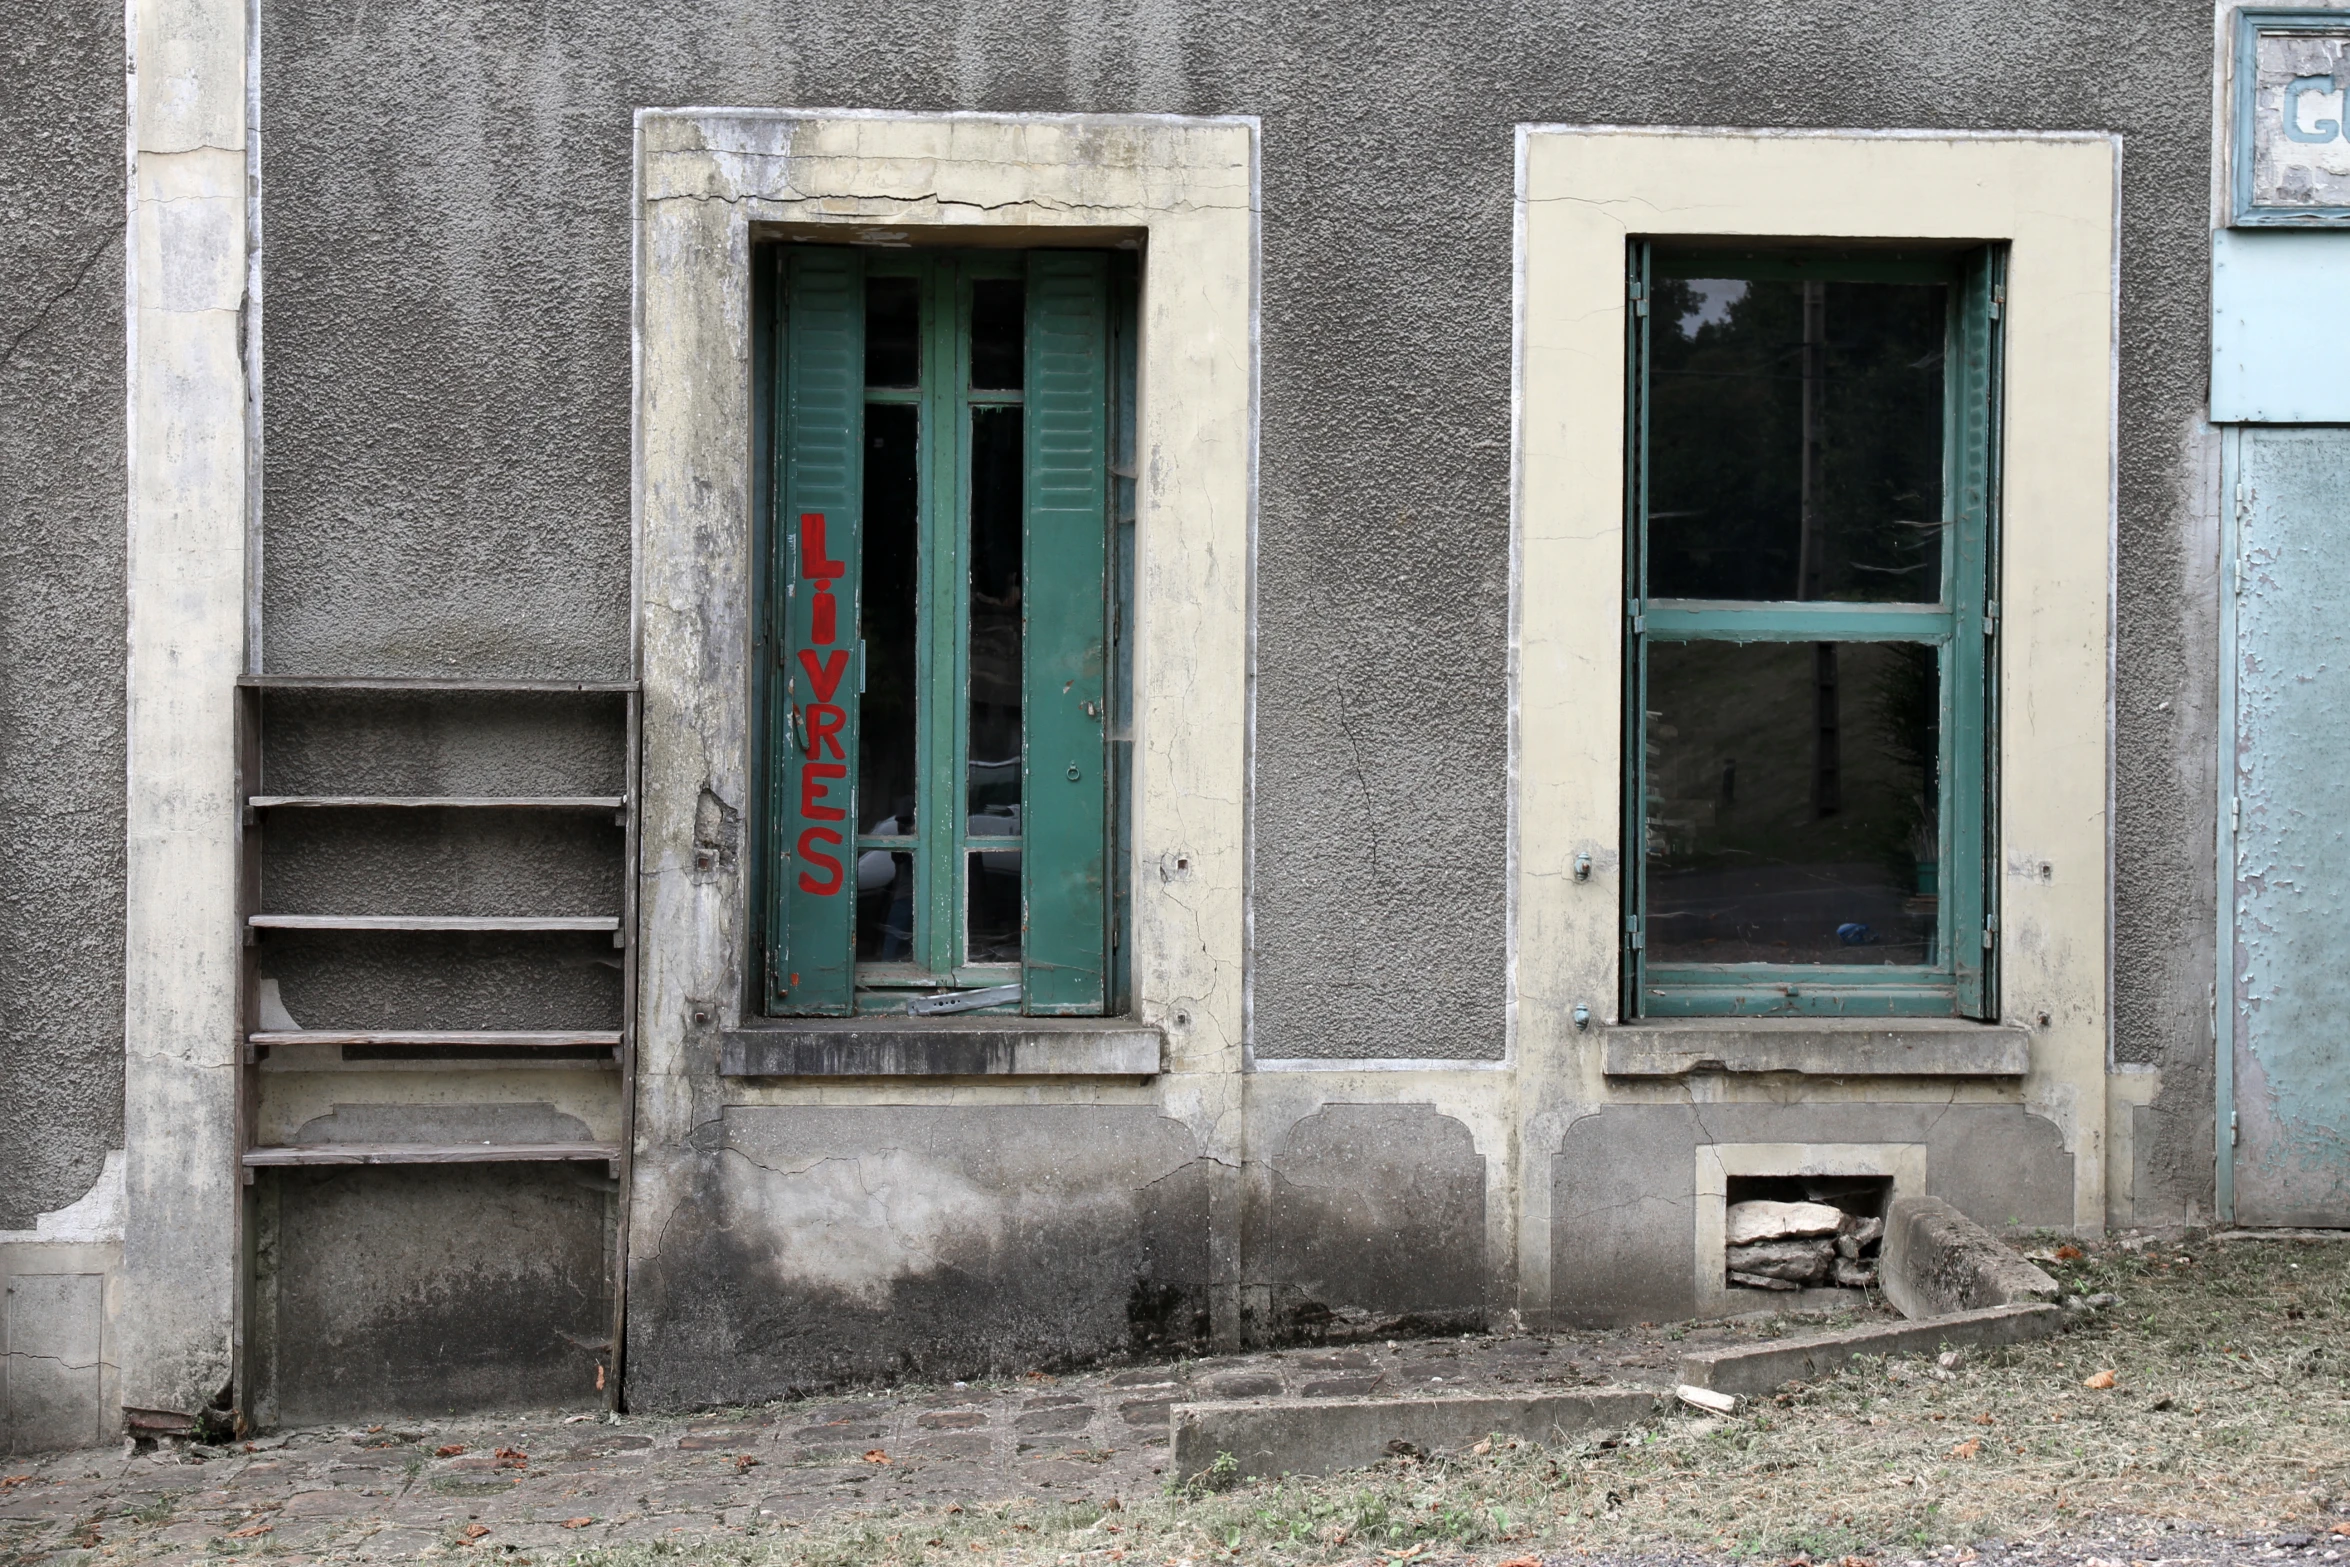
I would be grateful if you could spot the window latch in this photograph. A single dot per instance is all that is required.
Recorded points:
(963, 1000)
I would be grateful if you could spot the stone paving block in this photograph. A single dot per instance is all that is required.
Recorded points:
(1759, 1368)
(1316, 1436)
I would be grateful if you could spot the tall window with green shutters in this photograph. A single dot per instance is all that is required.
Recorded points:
(950, 478)
(1811, 631)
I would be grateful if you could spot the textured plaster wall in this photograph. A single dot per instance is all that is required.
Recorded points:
(61, 604)
(447, 266)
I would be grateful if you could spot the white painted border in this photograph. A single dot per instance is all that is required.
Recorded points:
(187, 558)
(2053, 196)
(1718, 1162)
(705, 179)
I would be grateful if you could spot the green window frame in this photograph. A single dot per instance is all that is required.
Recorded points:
(835, 640)
(1961, 624)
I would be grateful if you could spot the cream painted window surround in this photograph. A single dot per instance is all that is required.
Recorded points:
(710, 183)
(1583, 193)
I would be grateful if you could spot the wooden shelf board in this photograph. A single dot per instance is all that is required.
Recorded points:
(394, 683)
(421, 802)
(479, 922)
(497, 1037)
(428, 1153)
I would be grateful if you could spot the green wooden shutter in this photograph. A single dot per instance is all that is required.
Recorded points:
(1971, 789)
(813, 719)
(1064, 600)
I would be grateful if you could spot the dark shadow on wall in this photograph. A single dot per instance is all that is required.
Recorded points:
(1375, 1226)
(822, 1247)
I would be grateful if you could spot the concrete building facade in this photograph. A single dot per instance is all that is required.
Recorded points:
(412, 419)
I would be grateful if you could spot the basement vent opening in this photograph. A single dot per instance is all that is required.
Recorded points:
(1797, 1232)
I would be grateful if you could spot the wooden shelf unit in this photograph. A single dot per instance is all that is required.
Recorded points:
(320, 1049)
(314, 1154)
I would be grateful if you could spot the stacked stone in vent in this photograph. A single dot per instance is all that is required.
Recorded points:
(1799, 1245)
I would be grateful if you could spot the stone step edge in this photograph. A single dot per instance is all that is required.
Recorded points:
(1310, 1436)
(1755, 1369)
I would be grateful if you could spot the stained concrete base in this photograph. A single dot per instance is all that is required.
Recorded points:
(1318, 1436)
(1938, 1261)
(1759, 1368)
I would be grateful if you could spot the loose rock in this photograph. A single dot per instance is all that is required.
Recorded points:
(1802, 1261)
(1763, 1220)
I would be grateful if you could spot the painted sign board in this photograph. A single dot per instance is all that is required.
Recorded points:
(2280, 327)
(2292, 119)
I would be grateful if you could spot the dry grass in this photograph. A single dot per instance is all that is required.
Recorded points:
(2230, 1407)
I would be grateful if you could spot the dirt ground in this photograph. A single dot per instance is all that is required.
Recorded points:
(2222, 1434)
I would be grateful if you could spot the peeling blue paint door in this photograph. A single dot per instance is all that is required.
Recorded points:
(2286, 818)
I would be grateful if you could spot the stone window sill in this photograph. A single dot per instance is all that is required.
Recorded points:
(1818, 1047)
(942, 1047)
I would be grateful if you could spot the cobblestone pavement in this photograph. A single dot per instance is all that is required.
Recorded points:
(484, 1487)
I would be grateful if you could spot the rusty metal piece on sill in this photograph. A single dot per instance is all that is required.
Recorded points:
(963, 1000)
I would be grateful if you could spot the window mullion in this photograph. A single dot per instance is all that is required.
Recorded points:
(938, 882)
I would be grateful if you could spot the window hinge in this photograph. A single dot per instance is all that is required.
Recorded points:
(1990, 931)
(1634, 936)
(2235, 1131)
(1639, 297)
(1991, 618)
(2235, 813)
(1639, 620)
(1998, 298)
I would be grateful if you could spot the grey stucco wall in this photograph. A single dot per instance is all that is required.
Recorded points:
(61, 603)
(446, 188)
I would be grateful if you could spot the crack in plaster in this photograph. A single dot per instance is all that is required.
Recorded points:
(48, 306)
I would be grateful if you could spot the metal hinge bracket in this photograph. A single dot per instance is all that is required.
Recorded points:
(1634, 936)
(2235, 1131)
(1991, 618)
(1990, 931)
(1639, 297)
(963, 1000)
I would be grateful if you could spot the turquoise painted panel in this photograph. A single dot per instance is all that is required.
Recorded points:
(2290, 790)
(2280, 327)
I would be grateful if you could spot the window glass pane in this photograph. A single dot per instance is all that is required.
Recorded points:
(998, 333)
(1790, 807)
(1795, 440)
(893, 332)
(994, 923)
(887, 622)
(994, 775)
(885, 906)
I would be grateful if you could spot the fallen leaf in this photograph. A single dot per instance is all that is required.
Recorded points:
(742, 1462)
(1406, 1555)
(251, 1531)
(1858, 1561)
(1039, 1376)
(472, 1532)
(1482, 1448)
(599, 1376)
(371, 1430)
(451, 1451)
(577, 1523)
(511, 1458)
(2069, 1253)
(2101, 1379)
(1968, 1448)
(876, 1455)
(1984, 1418)
(2340, 1528)
(1521, 1561)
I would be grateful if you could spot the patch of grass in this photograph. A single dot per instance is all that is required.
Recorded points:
(2230, 1408)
